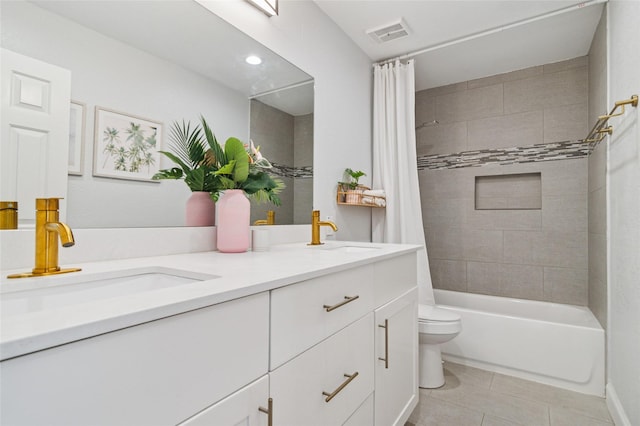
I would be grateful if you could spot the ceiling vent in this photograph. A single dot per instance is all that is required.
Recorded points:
(389, 32)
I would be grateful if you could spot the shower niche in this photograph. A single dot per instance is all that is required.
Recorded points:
(521, 191)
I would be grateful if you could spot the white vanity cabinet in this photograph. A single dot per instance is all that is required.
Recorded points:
(396, 380)
(158, 373)
(321, 348)
(331, 362)
(396, 341)
(315, 348)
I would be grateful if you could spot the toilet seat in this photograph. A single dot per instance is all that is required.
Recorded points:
(433, 320)
(436, 314)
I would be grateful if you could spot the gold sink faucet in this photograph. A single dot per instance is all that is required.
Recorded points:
(48, 230)
(271, 219)
(316, 223)
(8, 215)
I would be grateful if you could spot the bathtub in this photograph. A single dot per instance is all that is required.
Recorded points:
(551, 343)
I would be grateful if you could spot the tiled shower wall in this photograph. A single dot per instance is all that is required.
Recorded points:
(287, 142)
(536, 254)
(273, 131)
(303, 159)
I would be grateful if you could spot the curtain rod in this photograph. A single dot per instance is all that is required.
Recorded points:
(491, 31)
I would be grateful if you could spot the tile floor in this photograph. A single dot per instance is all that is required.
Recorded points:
(473, 397)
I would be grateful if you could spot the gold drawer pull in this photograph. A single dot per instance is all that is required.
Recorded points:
(329, 396)
(268, 411)
(386, 343)
(346, 300)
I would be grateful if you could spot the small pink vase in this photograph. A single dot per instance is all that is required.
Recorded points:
(200, 210)
(233, 222)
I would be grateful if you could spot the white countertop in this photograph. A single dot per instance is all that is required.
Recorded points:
(238, 275)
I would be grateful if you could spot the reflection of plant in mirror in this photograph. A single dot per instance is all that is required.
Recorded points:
(135, 154)
(206, 166)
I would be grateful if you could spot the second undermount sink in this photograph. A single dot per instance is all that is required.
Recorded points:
(44, 293)
(352, 249)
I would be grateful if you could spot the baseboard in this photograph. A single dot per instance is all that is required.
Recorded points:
(615, 408)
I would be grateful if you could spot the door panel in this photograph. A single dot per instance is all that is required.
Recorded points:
(34, 141)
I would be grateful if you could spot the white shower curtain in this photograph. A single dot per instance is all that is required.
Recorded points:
(395, 166)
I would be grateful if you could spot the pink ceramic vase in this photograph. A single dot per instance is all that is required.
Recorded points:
(200, 210)
(233, 222)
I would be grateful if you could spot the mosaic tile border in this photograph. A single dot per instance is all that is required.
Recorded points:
(305, 172)
(523, 154)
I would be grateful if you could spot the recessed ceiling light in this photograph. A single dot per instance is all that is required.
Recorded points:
(253, 60)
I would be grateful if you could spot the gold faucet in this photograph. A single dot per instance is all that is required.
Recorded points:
(48, 230)
(271, 219)
(8, 215)
(316, 223)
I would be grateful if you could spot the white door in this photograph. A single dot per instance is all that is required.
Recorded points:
(34, 144)
(242, 408)
(396, 360)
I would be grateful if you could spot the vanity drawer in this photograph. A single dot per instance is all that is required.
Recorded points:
(305, 313)
(297, 387)
(240, 408)
(394, 277)
(157, 373)
(364, 415)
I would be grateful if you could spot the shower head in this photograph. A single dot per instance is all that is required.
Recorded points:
(427, 124)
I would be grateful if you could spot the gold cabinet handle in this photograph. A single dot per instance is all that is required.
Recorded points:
(329, 396)
(346, 300)
(386, 343)
(268, 411)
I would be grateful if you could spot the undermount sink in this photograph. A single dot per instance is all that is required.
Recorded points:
(66, 290)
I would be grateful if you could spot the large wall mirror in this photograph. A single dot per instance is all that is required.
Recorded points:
(164, 62)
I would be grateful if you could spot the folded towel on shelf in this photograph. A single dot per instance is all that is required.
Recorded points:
(374, 192)
(378, 201)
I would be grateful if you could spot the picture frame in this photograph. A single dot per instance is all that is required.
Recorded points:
(126, 146)
(77, 125)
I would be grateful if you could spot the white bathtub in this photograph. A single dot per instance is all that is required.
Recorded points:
(560, 345)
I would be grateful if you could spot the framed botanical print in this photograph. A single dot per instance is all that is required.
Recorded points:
(126, 146)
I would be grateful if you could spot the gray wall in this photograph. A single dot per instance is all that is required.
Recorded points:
(623, 174)
(597, 177)
(536, 254)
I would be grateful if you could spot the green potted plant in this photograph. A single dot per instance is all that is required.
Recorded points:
(209, 169)
(349, 186)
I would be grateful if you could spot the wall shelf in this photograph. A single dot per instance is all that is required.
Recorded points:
(355, 197)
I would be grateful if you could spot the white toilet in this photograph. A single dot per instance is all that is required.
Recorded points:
(436, 326)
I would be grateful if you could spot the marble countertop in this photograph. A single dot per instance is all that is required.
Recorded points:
(221, 277)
